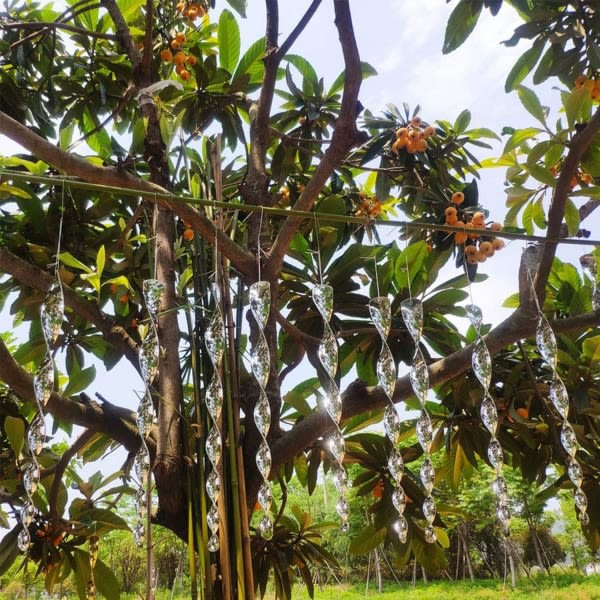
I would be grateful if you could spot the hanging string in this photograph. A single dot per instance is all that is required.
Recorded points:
(481, 363)
(548, 349)
(381, 315)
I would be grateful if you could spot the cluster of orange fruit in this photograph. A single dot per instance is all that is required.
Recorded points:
(180, 59)
(413, 137)
(477, 249)
(593, 85)
(191, 10)
(370, 206)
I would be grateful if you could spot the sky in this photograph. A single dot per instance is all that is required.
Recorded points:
(402, 39)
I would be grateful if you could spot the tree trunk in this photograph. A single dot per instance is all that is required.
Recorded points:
(575, 559)
(378, 574)
(511, 563)
(538, 551)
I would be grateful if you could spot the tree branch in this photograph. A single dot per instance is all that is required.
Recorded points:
(116, 422)
(300, 27)
(359, 397)
(43, 26)
(345, 136)
(579, 144)
(75, 166)
(60, 468)
(124, 36)
(38, 279)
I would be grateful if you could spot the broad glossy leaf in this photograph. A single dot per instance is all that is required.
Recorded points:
(229, 41)
(9, 549)
(523, 66)
(367, 539)
(239, 6)
(106, 582)
(532, 103)
(571, 217)
(461, 23)
(15, 432)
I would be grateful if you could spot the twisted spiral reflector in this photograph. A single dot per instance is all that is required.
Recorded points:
(214, 340)
(51, 317)
(148, 357)
(260, 361)
(328, 356)
(412, 313)
(481, 363)
(546, 343)
(381, 315)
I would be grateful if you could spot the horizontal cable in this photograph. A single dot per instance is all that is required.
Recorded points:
(6, 174)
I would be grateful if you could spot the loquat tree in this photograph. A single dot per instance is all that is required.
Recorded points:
(153, 148)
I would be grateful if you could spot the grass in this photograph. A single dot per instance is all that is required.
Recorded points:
(557, 587)
(561, 586)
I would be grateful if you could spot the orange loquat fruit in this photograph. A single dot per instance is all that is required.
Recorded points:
(458, 198)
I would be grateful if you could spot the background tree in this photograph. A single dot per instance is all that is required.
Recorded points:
(117, 106)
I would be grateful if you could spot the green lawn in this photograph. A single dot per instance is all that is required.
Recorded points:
(559, 587)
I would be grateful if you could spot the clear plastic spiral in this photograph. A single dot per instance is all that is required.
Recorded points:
(51, 317)
(481, 362)
(149, 359)
(412, 313)
(546, 343)
(328, 356)
(380, 310)
(214, 340)
(260, 361)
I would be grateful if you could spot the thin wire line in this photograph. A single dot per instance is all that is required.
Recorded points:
(319, 264)
(283, 212)
(376, 276)
(260, 223)
(60, 230)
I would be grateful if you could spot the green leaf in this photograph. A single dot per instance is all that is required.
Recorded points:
(512, 301)
(367, 539)
(541, 174)
(70, 261)
(12, 190)
(9, 550)
(120, 280)
(461, 23)
(309, 75)
(81, 569)
(103, 516)
(528, 218)
(520, 136)
(531, 103)
(106, 582)
(229, 41)
(591, 349)
(100, 261)
(80, 380)
(251, 62)
(523, 66)
(572, 218)
(239, 6)
(15, 432)
(462, 121)
(366, 71)
(578, 105)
